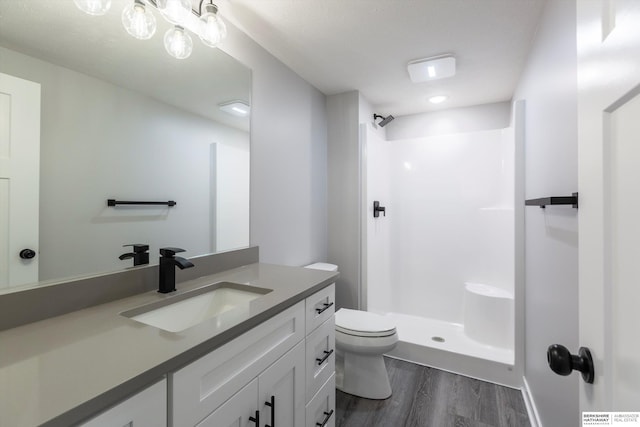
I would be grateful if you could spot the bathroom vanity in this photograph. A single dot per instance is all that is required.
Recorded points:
(272, 362)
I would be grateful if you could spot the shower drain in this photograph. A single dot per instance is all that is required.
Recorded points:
(437, 339)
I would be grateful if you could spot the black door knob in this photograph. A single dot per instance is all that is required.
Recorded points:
(27, 254)
(562, 362)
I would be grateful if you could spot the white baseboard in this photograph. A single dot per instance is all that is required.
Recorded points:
(534, 417)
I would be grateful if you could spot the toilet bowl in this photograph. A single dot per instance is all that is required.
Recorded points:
(361, 340)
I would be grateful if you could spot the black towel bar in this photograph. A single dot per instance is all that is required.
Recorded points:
(114, 202)
(556, 200)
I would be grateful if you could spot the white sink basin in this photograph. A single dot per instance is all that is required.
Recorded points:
(227, 301)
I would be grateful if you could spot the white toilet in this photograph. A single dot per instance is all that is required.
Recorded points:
(361, 340)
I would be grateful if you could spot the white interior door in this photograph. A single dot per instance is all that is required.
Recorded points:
(19, 179)
(609, 188)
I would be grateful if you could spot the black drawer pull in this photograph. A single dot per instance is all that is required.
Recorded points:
(326, 356)
(326, 306)
(326, 419)
(272, 405)
(256, 419)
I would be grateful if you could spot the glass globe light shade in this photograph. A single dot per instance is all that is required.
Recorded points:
(93, 7)
(138, 21)
(211, 28)
(174, 11)
(178, 43)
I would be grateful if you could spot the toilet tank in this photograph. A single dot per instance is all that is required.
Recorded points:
(322, 266)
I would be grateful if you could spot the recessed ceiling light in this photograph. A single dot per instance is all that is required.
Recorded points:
(437, 99)
(436, 67)
(236, 108)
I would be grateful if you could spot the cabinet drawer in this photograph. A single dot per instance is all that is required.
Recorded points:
(321, 357)
(202, 386)
(321, 411)
(319, 307)
(145, 409)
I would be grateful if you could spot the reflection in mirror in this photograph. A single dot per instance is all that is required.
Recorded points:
(118, 119)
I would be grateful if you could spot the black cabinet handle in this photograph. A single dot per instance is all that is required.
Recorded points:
(562, 362)
(326, 356)
(256, 419)
(272, 405)
(326, 419)
(324, 308)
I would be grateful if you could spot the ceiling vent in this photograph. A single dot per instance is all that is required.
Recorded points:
(434, 68)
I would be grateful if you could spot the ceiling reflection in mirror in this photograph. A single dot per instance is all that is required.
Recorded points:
(119, 119)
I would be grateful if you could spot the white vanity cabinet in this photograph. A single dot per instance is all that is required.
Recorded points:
(275, 374)
(147, 408)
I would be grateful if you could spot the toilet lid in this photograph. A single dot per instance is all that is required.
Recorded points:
(363, 323)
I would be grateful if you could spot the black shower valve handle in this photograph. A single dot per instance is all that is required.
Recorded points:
(377, 209)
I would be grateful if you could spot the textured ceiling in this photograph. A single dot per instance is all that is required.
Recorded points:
(336, 45)
(343, 45)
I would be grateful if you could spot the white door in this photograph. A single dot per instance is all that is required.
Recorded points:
(609, 188)
(19, 179)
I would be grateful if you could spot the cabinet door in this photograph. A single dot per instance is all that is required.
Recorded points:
(145, 409)
(282, 390)
(238, 411)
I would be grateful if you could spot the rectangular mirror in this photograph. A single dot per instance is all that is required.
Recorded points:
(118, 119)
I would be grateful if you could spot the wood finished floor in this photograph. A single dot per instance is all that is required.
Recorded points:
(428, 397)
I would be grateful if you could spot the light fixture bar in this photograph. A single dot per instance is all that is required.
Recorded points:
(140, 23)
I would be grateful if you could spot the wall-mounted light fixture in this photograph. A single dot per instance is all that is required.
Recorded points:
(93, 7)
(141, 24)
(138, 20)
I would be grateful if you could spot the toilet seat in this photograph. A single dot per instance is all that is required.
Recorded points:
(363, 324)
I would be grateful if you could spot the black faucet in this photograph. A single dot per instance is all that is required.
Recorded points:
(168, 262)
(140, 255)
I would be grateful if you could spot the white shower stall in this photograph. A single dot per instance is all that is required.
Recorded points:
(440, 259)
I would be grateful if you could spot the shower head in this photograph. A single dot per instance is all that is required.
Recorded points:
(385, 120)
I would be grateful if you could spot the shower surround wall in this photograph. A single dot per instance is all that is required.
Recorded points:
(449, 220)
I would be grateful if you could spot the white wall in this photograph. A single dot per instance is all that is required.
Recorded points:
(549, 87)
(344, 194)
(154, 152)
(448, 121)
(288, 158)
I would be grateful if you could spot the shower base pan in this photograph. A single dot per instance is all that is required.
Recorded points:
(445, 346)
